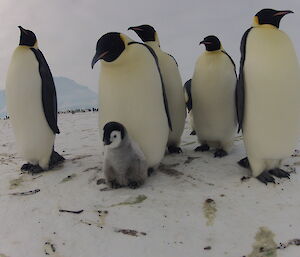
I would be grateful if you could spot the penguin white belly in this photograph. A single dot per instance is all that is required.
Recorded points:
(175, 95)
(213, 86)
(34, 137)
(272, 87)
(132, 95)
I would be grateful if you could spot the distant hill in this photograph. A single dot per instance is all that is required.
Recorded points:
(70, 96)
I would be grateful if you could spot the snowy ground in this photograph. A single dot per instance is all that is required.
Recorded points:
(194, 206)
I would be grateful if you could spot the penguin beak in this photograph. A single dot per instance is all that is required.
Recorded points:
(135, 28)
(205, 42)
(97, 57)
(106, 142)
(283, 13)
(23, 31)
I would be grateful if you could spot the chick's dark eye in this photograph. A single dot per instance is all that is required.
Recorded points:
(115, 136)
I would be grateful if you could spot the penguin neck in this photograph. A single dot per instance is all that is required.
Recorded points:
(153, 44)
(266, 26)
(125, 144)
(215, 51)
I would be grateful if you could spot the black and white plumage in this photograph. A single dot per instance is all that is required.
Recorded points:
(267, 96)
(125, 163)
(32, 104)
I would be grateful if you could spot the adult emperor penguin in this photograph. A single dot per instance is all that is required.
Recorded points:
(131, 92)
(32, 104)
(188, 102)
(173, 83)
(268, 92)
(213, 87)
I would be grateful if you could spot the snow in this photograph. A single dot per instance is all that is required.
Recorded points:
(168, 216)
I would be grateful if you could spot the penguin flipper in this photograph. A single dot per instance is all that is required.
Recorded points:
(188, 87)
(234, 67)
(173, 59)
(162, 82)
(49, 98)
(240, 86)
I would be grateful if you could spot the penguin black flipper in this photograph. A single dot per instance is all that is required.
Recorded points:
(240, 87)
(188, 87)
(173, 59)
(48, 91)
(224, 52)
(162, 82)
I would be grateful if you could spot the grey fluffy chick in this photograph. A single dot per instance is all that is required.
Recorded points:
(125, 163)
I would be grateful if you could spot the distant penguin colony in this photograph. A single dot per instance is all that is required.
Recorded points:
(143, 104)
(32, 104)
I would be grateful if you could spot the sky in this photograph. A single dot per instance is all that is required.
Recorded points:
(68, 30)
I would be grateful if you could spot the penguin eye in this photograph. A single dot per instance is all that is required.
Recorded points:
(115, 136)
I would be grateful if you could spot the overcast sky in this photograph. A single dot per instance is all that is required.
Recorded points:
(67, 30)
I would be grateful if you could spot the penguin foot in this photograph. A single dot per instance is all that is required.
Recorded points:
(31, 168)
(220, 153)
(279, 173)
(55, 159)
(193, 133)
(114, 184)
(150, 171)
(134, 184)
(202, 148)
(265, 178)
(244, 163)
(174, 149)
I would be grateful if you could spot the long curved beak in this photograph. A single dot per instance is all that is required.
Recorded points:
(23, 30)
(97, 57)
(204, 42)
(134, 28)
(283, 13)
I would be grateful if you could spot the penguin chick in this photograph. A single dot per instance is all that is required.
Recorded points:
(213, 90)
(173, 84)
(125, 163)
(267, 96)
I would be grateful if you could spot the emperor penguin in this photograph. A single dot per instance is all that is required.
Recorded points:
(268, 92)
(188, 102)
(32, 104)
(124, 162)
(213, 93)
(131, 92)
(173, 84)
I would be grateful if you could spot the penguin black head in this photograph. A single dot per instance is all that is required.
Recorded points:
(145, 32)
(109, 47)
(212, 43)
(27, 37)
(270, 16)
(113, 134)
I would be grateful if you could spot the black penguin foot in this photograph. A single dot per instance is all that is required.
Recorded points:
(114, 184)
(279, 173)
(174, 149)
(220, 153)
(55, 159)
(150, 171)
(265, 178)
(134, 184)
(193, 133)
(244, 163)
(31, 168)
(202, 148)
